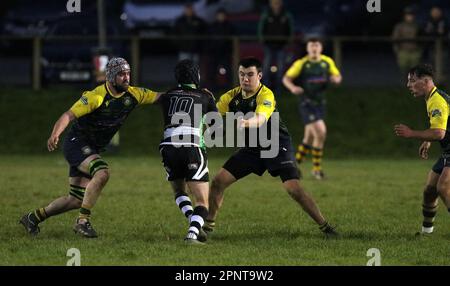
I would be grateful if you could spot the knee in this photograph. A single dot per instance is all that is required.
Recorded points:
(74, 202)
(218, 184)
(102, 176)
(442, 188)
(321, 135)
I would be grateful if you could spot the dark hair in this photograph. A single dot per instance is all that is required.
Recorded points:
(187, 72)
(314, 40)
(251, 62)
(422, 70)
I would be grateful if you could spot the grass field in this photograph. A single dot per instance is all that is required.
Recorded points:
(375, 203)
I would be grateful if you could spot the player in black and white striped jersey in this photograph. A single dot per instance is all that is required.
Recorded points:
(182, 148)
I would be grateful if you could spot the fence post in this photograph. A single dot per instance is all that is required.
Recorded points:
(337, 51)
(36, 64)
(438, 60)
(235, 60)
(135, 54)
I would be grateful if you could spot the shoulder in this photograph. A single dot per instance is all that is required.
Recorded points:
(327, 59)
(233, 92)
(98, 93)
(265, 93)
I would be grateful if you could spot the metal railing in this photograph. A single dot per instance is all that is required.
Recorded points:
(336, 42)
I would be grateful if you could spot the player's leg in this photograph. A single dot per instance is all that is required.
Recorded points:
(319, 130)
(305, 147)
(241, 164)
(430, 201)
(443, 186)
(57, 206)
(200, 191)
(221, 181)
(296, 191)
(182, 199)
(307, 116)
(97, 168)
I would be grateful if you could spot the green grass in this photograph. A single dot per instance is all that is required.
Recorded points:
(375, 203)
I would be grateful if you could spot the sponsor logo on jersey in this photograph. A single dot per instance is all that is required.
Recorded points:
(436, 112)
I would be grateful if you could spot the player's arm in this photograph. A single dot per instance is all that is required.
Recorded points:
(438, 111)
(88, 102)
(292, 73)
(144, 95)
(335, 74)
(253, 122)
(265, 105)
(59, 127)
(423, 149)
(431, 134)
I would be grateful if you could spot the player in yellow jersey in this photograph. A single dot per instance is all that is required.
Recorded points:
(252, 96)
(420, 83)
(97, 116)
(308, 78)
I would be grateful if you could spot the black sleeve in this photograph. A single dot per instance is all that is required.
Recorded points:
(212, 104)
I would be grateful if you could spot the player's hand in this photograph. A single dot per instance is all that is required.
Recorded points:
(402, 130)
(423, 149)
(52, 143)
(297, 90)
(240, 123)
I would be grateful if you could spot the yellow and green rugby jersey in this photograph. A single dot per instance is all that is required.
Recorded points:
(262, 102)
(100, 115)
(313, 76)
(438, 112)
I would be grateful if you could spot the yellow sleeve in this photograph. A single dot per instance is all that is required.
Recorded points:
(296, 68)
(333, 70)
(438, 112)
(89, 101)
(224, 101)
(265, 103)
(143, 95)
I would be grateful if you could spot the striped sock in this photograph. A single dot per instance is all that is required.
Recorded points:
(317, 154)
(184, 203)
(429, 213)
(85, 213)
(38, 216)
(196, 222)
(302, 150)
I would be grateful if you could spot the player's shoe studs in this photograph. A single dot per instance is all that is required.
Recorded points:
(30, 227)
(85, 229)
(202, 235)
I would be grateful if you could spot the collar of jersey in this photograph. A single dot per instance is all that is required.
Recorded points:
(432, 92)
(110, 93)
(257, 91)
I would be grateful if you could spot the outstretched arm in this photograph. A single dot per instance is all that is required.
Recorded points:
(432, 134)
(58, 128)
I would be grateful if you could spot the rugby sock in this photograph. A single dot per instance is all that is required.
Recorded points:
(323, 227)
(302, 150)
(85, 212)
(184, 203)
(429, 213)
(197, 220)
(39, 215)
(317, 154)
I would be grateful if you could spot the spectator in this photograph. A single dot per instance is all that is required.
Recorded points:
(221, 50)
(406, 48)
(275, 22)
(435, 27)
(189, 25)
